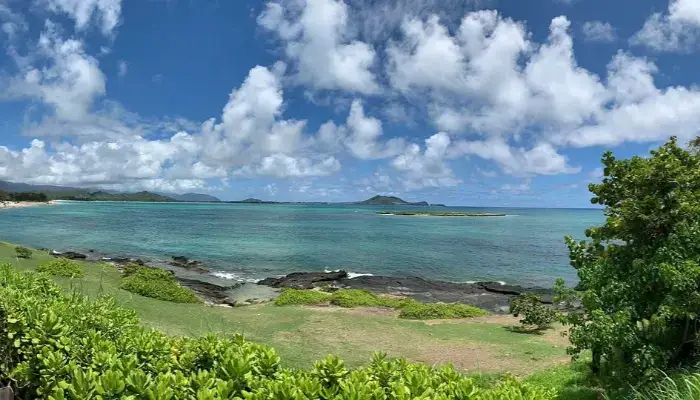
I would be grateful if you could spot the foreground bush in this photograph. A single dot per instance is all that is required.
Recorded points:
(351, 298)
(23, 252)
(61, 267)
(60, 346)
(156, 283)
(641, 269)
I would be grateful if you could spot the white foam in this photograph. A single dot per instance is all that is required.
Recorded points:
(232, 276)
(350, 274)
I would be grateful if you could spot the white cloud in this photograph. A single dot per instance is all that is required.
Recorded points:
(476, 80)
(598, 31)
(318, 41)
(427, 168)
(271, 189)
(11, 23)
(69, 82)
(105, 13)
(363, 136)
(123, 68)
(677, 30)
(542, 159)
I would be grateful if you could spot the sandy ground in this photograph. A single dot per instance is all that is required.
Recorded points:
(21, 204)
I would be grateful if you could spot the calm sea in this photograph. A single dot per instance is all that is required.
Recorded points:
(241, 241)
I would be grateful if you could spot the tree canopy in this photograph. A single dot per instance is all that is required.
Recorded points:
(641, 269)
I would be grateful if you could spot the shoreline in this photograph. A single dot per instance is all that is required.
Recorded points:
(24, 204)
(214, 289)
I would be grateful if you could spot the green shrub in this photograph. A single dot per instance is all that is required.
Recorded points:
(535, 314)
(686, 387)
(350, 298)
(131, 269)
(158, 284)
(640, 270)
(416, 310)
(61, 267)
(23, 252)
(66, 346)
(297, 297)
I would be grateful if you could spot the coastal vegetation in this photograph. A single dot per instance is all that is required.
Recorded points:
(23, 252)
(536, 315)
(61, 267)
(23, 196)
(439, 214)
(641, 269)
(156, 283)
(353, 298)
(67, 346)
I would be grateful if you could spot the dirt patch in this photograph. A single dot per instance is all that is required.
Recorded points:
(489, 319)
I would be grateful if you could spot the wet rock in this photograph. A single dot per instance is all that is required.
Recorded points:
(491, 296)
(229, 302)
(304, 280)
(71, 255)
(184, 262)
(207, 290)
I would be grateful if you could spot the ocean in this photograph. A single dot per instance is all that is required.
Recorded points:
(251, 241)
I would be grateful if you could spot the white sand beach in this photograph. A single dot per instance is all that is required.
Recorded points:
(21, 204)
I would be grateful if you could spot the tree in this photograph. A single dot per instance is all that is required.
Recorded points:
(641, 269)
(4, 196)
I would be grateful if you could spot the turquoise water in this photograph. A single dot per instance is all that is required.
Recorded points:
(255, 241)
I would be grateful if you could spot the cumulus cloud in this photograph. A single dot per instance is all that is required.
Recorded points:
(318, 41)
(677, 30)
(11, 23)
(426, 168)
(542, 159)
(475, 79)
(69, 81)
(598, 31)
(104, 13)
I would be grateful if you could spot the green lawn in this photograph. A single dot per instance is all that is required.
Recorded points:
(302, 335)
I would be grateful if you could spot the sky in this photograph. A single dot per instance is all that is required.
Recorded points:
(470, 102)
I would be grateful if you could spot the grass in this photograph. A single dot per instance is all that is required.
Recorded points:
(303, 335)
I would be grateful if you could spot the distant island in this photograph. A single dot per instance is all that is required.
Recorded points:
(374, 201)
(439, 214)
(393, 201)
(50, 192)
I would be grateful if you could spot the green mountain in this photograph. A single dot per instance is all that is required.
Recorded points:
(390, 201)
(107, 196)
(192, 197)
(72, 193)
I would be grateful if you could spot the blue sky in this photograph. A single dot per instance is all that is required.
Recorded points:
(471, 102)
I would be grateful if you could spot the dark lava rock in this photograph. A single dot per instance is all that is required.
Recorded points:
(491, 296)
(184, 262)
(71, 255)
(209, 291)
(304, 280)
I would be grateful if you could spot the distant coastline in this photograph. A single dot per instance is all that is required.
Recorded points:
(23, 204)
